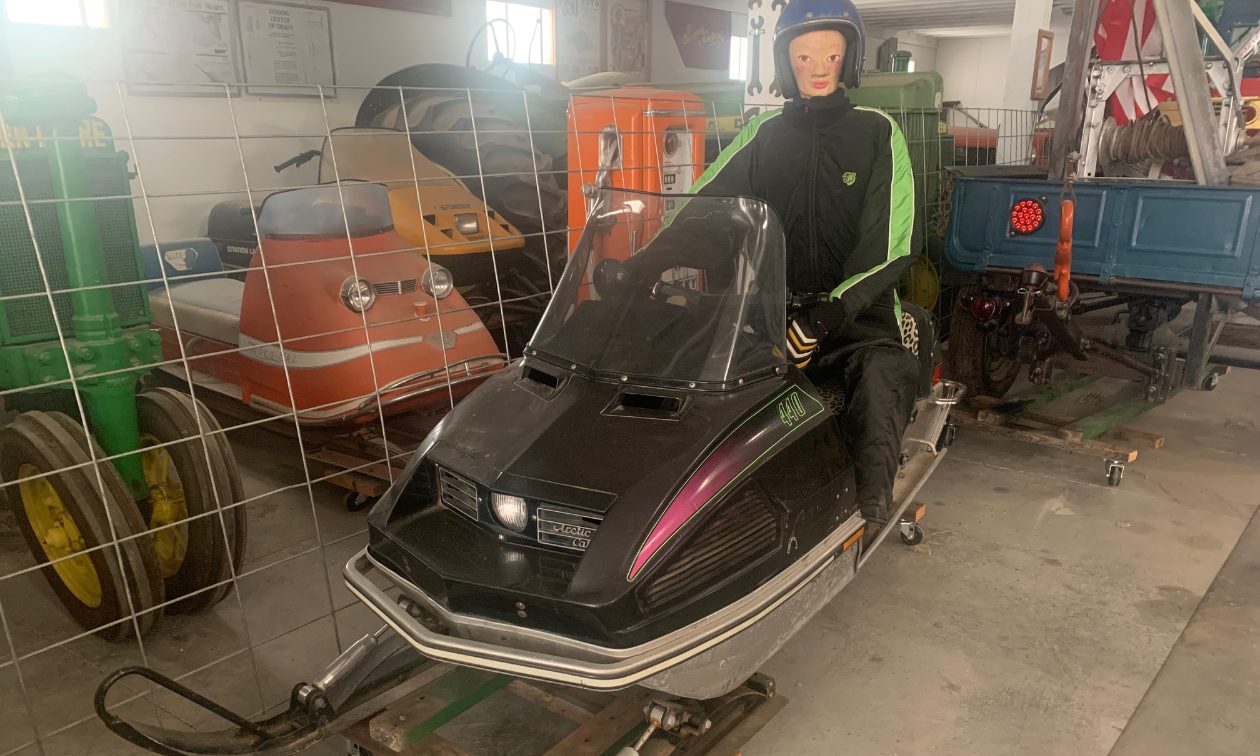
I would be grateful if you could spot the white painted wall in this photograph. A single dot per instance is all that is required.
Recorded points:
(667, 64)
(368, 44)
(974, 69)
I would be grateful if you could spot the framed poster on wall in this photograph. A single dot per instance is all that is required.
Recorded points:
(431, 7)
(702, 35)
(286, 48)
(578, 41)
(179, 47)
(628, 37)
(1041, 65)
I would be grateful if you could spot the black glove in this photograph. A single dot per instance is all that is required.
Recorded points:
(802, 343)
(828, 318)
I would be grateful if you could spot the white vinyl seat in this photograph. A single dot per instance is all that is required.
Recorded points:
(210, 308)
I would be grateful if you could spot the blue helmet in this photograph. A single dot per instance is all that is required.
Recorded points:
(800, 16)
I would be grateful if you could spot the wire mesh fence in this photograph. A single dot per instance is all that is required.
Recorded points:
(223, 333)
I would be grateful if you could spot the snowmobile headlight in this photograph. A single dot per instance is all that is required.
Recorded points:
(438, 282)
(466, 223)
(510, 511)
(357, 294)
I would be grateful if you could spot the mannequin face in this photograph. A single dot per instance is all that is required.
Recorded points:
(817, 57)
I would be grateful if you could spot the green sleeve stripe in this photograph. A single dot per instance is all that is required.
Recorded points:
(742, 140)
(901, 206)
(901, 328)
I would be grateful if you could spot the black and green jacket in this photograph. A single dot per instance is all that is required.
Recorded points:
(839, 178)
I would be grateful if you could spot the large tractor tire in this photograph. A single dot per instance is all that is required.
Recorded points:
(193, 480)
(970, 360)
(67, 517)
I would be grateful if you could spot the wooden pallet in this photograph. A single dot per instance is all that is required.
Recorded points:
(605, 722)
(1100, 433)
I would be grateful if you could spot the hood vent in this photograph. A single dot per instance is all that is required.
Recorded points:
(742, 530)
(457, 492)
(668, 405)
(657, 405)
(542, 378)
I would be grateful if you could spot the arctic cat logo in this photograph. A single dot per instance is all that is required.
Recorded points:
(848, 178)
(791, 411)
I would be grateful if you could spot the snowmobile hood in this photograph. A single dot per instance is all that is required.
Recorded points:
(613, 475)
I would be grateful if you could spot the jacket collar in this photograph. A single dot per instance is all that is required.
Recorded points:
(821, 110)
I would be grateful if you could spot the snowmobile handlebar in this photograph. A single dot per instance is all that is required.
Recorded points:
(298, 160)
(802, 302)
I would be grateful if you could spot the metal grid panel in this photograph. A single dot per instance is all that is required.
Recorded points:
(283, 611)
(29, 318)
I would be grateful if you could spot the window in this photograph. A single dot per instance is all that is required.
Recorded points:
(739, 58)
(90, 13)
(521, 33)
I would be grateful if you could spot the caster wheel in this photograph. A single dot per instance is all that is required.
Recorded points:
(193, 482)
(948, 434)
(357, 502)
(911, 534)
(1211, 381)
(1115, 473)
(64, 516)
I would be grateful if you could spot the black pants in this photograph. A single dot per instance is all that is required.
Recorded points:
(881, 382)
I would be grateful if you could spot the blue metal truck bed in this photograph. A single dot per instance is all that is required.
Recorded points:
(1157, 231)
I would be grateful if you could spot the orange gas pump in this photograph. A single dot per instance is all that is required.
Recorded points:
(633, 138)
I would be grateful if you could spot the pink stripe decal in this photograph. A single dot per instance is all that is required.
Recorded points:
(739, 452)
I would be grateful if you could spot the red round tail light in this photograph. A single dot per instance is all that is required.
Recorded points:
(983, 308)
(1027, 216)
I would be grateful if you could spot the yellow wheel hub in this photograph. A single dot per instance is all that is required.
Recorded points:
(58, 535)
(170, 510)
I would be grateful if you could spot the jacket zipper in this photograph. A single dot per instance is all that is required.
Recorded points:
(813, 187)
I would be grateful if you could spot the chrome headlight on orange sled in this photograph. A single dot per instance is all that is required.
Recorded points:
(438, 281)
(357, 294)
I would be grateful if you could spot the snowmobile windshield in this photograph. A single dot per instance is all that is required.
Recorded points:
(672, 289)
(316, 212)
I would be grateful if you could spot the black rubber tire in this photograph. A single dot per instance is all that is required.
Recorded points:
(214, 541)
(357, 502)
(1114, 476)
(965, 359)
(143, 560)
(54, 441)
(240, 517)
(949, 434)
(916, 536)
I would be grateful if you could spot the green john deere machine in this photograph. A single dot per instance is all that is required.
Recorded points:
(133, 514)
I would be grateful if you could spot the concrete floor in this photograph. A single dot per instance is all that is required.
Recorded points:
(1045, 613)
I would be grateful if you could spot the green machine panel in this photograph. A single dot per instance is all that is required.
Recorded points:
(27, 319)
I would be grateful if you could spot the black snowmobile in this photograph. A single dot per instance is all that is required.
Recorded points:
(653, 495)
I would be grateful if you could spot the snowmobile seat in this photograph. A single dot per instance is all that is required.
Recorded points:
(190, 258)
(210, 308)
